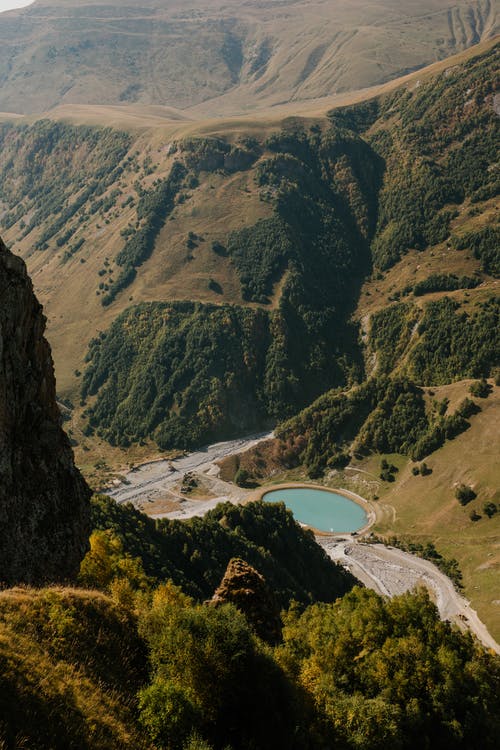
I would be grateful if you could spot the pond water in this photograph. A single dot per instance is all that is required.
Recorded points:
(324, 510)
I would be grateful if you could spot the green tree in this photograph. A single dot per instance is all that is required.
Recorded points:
(216, 673)
(464, 494)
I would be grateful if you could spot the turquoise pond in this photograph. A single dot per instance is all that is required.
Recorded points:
(325, 511)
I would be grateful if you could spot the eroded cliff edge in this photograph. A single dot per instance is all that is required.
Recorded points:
(44, 501)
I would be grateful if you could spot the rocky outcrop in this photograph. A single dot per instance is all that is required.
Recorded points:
(247, 589)
(44, 501)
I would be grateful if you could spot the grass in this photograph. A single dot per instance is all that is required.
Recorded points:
(72, 659)
(314, 50)
(426, 507)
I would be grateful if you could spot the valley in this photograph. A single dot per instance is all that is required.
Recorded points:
(180, 343)
(414, 508)
(262, 240)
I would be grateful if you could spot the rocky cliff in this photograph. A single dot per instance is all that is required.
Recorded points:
(44, 501)
(247, 589)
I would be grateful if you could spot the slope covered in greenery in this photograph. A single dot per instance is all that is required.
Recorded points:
(384, 415)
(216, 371)
(440, 150)
(194, 553)
(50, 171)
(81, 670)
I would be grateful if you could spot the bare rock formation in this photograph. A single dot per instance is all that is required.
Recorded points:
(247, 589)
(44, 501)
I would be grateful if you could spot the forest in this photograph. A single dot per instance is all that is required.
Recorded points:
(237, 368)
(194, 554)
(131, 659)
(345, 206)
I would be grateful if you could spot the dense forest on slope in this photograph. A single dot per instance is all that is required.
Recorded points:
(269, 304)
(194, 553)
(182, 372)
(441, 343)
(150, 668)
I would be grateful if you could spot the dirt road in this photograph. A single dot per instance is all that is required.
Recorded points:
(151, 481)
(391, 572)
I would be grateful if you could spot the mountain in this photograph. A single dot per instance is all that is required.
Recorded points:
(228, 273)
(219, 57)
(223, 271)
(44, 502)
(331, 273)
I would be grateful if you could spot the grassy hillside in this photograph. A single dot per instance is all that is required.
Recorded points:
(71, 665)
(427, 507)
(299, 224)
(222, 57)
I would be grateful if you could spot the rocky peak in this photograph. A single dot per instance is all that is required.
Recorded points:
(247, 589)
(44, 501)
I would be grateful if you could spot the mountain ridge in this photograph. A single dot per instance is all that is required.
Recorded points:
(217, 57)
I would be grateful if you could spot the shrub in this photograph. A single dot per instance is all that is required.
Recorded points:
(241, 477)
(481, 388)
(464, 494)
(489, 509)
(387, 471)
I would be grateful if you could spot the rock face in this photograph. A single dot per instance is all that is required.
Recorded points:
(44, 501)
(244, 587)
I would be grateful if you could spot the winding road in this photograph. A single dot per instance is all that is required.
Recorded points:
(391, 572)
